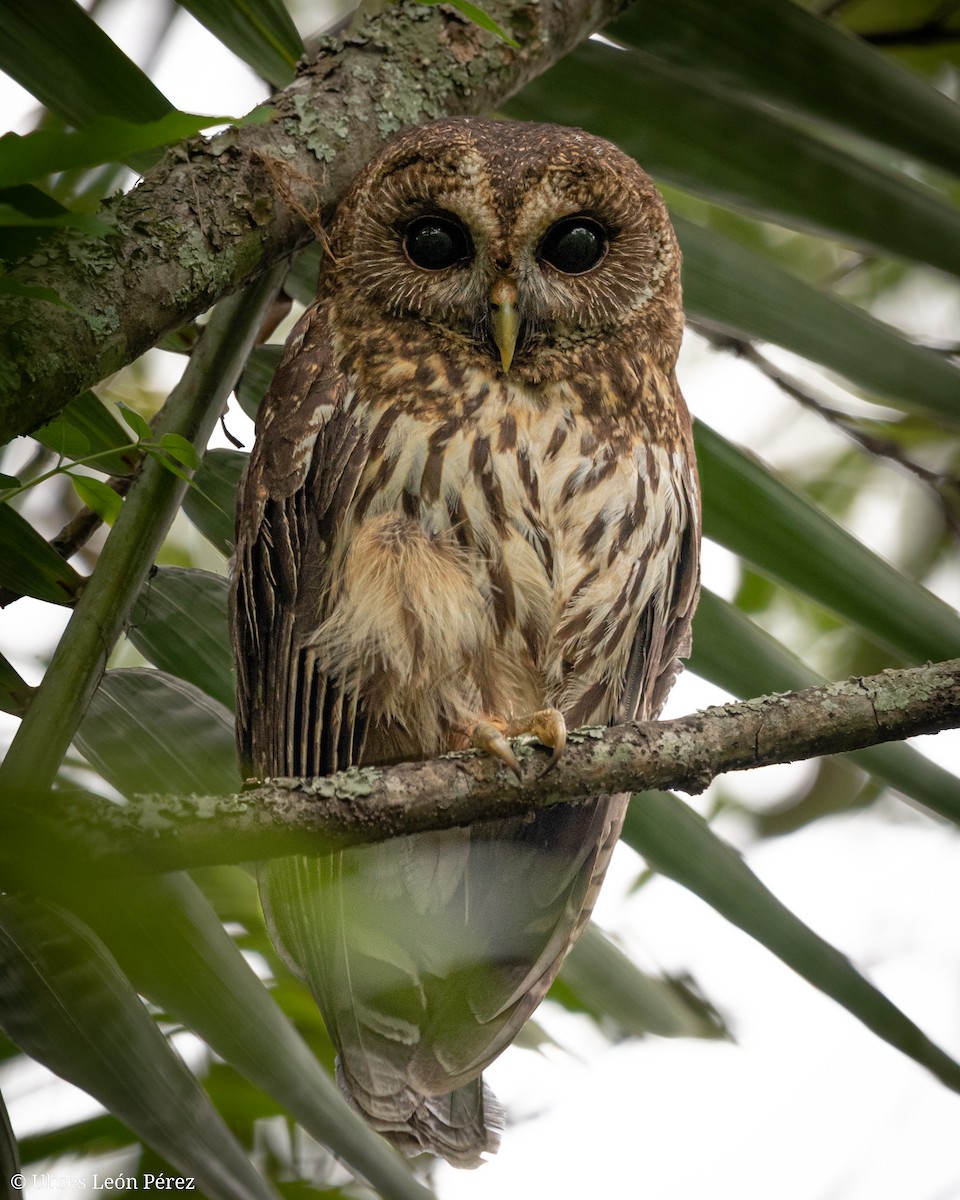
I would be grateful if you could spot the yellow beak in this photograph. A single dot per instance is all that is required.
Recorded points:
(503, 320)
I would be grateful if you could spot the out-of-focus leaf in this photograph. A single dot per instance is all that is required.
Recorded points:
(169, 941)
(678, 843)
(258, 31)
(712, 143)
(755, 514)
(99, 497)
(57, 52)
(179, 624)
(31, 567)
(14, 692)
(301, 280)
(603, 981)
(735, 290)
(96, 1135)
(211, 503)
(87, 426)
(146, 731)
(737, 655)
(105, 139)
(765, 48)
(64, 1000)
(256, 378)
(9, 1157)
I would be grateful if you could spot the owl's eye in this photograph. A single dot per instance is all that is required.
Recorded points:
(574, 245)
(436, 242)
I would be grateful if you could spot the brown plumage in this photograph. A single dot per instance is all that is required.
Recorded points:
(473, 497)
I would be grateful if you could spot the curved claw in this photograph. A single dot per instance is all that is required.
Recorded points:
(549, 727)
(487, 737)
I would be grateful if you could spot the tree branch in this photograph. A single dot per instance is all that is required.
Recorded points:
(373, 804)
(210, 216)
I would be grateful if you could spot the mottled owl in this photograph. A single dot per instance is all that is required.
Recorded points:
(471, 513)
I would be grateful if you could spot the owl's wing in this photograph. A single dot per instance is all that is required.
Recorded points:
(292, 721)
(663, 635)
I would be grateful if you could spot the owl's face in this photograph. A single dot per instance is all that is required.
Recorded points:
(523, 248)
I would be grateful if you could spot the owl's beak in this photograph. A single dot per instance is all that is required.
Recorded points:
(503, 319)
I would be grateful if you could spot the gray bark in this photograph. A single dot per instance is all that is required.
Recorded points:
(373, 804)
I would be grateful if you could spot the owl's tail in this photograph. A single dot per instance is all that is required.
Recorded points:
(460, 1126)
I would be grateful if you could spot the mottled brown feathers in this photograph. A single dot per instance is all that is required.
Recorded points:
(425, 539)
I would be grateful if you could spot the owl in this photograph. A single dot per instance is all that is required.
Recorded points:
(471, 513)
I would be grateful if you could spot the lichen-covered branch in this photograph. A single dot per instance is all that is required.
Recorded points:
(215, 213)
(372, 804)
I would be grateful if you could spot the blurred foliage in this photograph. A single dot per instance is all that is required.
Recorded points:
(813, 176)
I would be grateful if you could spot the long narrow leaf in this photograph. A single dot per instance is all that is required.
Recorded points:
(31, 567)
(735, 290)
(678, 843)
(146, 731)
(258, 31)
(212, 500)
(607, 984)
(180, 625)
(765, 48)
(58, 53)
(758, 516)
(64, 1000)
(710, 143)
(169, 941)
(737, 655)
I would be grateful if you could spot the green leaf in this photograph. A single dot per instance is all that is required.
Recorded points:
(732, 652)
(179, 448)
(211, 503)
(604, 982)
(258, 31)
(735, 290)
(58, 53)
(752, 512)
(106, 139)
(136, 422)
(711, 142)
(478, 17)
(31, 567)
(88, 426)
(256, 378)
(98, 496)
(174, 948)
(67, 1004)
(765, 48)
(179, 623)
(15, 693)
(9, 483)
(146, 731)
(88, 222)
(678, 843)
(101, 1134)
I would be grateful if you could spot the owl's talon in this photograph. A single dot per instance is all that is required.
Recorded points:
(486, 736)
(548, 727)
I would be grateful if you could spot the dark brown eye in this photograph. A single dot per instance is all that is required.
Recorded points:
(435, 243)
(574, 245)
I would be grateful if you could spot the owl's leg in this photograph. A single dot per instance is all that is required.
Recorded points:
(490, 734)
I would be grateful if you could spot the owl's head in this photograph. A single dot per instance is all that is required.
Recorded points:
(522, 248)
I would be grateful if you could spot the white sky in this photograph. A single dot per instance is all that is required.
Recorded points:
(807, 1105)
